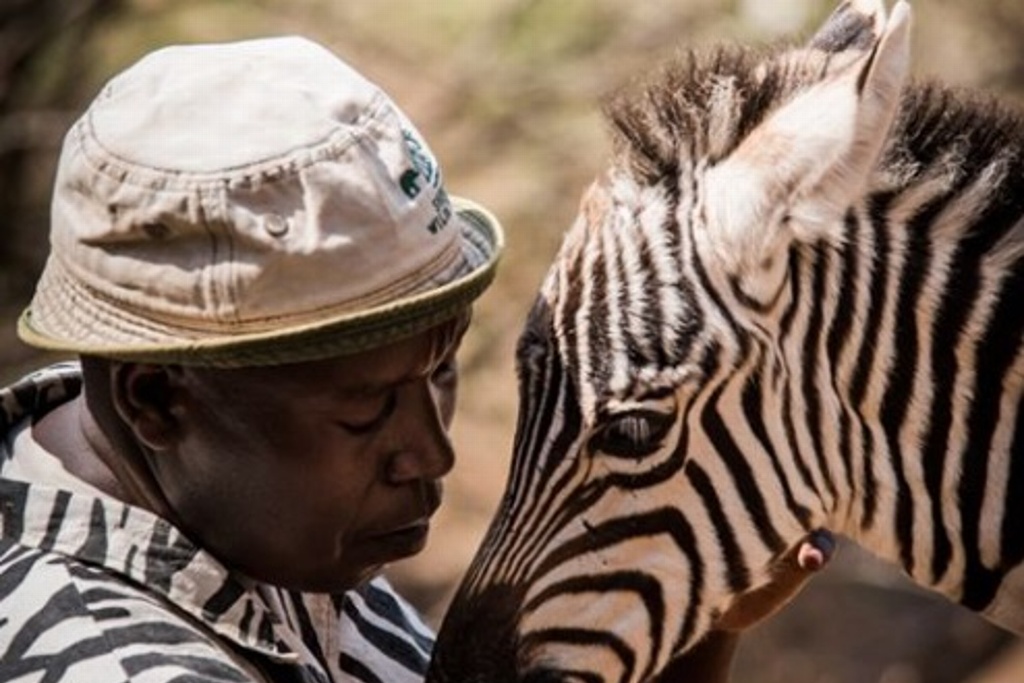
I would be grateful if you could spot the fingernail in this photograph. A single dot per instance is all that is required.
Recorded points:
(810, 557)
(823, 541)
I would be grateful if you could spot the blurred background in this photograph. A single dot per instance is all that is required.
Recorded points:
(508, 94)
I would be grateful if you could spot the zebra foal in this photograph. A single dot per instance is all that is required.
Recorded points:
(794, 300)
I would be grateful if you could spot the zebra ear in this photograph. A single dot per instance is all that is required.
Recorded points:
(854, 25)
(811, 158)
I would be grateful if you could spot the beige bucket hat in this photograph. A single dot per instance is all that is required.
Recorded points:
(251, 203)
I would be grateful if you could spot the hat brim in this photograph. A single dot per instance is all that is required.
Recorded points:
(338, 335)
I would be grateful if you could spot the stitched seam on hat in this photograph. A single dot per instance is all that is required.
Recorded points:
(382, 326)
(379, 297)
(215, 291)
(407, 284)
(161, 325)
(79, 301)
(122, 313)
(299, 344)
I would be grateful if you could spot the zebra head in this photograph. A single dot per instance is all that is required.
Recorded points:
(641, 499)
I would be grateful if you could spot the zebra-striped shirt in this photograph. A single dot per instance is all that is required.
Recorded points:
(92, 589)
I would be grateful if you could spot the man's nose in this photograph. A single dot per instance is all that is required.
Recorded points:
(424, 449)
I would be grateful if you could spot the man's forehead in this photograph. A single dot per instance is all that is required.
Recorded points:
(366, 372)
(402, 361)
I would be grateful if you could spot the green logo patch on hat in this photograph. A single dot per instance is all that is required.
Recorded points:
(425, 170)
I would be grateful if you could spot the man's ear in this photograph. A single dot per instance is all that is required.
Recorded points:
(144, 397)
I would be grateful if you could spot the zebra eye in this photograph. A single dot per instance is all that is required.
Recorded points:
(632, 434)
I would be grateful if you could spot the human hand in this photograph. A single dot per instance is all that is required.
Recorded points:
(710, 660)
(789, 574)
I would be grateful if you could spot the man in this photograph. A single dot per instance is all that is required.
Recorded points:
(254, 255)
(255, 259)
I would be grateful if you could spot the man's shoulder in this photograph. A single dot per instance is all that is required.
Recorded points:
(75, 622)
(39, 391)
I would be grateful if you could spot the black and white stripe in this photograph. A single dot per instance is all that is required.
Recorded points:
(795, 300)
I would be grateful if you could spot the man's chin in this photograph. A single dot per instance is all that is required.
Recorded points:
(361, 561)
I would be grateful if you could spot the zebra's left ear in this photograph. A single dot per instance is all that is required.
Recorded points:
(811, 158)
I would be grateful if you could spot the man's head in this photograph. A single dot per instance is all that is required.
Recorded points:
(253, 251)
(309, 475)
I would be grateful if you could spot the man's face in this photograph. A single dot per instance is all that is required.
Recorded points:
(314, 475)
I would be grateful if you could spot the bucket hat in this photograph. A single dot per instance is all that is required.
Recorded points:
(251, 203)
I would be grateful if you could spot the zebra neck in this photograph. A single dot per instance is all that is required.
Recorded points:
(902, 362)
(850, 400)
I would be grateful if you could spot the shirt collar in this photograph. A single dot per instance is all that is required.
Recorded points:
(126, 540)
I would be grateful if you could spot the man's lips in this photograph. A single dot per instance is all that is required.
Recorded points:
(404, 541)
(417, 527)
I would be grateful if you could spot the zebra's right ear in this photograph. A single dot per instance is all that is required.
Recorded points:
(854, 25)
(799, 170)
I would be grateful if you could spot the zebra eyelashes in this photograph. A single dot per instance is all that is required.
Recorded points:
(632, 434)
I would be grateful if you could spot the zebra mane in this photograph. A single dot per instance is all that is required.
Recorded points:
(670, 117)
(701, 106)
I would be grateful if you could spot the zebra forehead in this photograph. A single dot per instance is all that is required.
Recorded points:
(700, 105)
